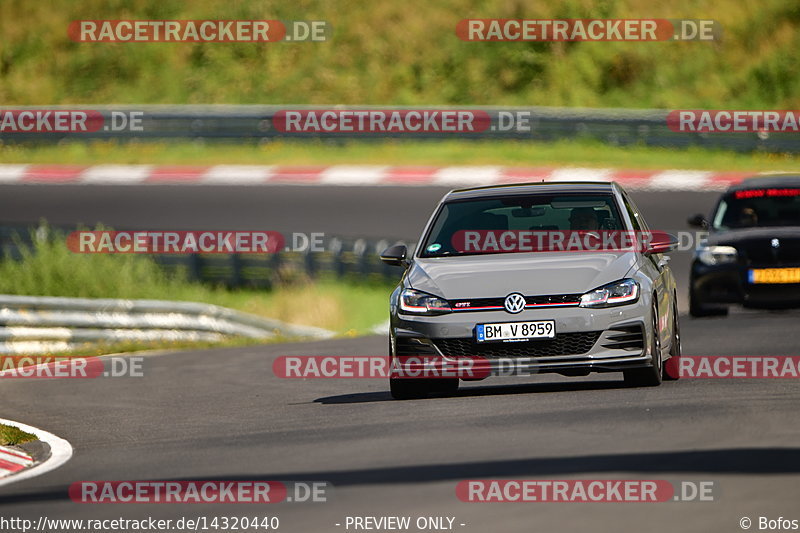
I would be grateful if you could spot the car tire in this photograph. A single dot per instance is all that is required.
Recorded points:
(409, 389)
(675, 348)
(652, 375)
(699, 309)
(444, 386)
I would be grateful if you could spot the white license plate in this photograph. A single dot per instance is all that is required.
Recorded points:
(515, 331)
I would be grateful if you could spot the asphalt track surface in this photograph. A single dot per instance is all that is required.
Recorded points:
(222, 415)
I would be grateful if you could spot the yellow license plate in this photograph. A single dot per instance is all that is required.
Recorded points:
(775, 275)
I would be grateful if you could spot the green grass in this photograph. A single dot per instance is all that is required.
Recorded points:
(50, 268)
(404, 53)
(456, 152)
(11, 436)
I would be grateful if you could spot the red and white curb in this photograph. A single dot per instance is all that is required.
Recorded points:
(361, 175)
(19, 465)
(13, 460)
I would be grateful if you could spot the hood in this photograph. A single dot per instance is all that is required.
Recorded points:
(765, 246)
(734, 236)
(540, 273)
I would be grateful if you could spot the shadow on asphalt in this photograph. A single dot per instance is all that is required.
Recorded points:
(752, 461)
(487, 390)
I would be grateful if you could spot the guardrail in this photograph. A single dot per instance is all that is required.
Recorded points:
(256, 124)
(46, 324)
(354, 259)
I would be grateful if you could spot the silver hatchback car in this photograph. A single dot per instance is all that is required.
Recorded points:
(494, 279)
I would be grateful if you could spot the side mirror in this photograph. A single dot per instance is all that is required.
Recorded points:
(698, 221)
(660, 243)
(395, 255)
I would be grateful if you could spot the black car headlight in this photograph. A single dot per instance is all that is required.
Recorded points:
(621, 292)
(717, 255)
(421, 303)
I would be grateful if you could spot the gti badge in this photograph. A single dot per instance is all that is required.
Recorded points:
(515, 302)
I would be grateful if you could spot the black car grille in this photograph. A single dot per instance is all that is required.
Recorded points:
(759, 252)
(562, 344)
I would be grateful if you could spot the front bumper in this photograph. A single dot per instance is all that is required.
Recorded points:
(587, 340)
(730, 284)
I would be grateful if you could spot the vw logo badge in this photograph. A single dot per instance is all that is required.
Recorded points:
(775, 243)
(515, 302)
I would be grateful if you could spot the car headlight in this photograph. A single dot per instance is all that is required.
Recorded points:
(422, 303)
(618, 293)
(717, 255)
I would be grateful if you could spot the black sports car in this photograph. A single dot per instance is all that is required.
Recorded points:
(752, 254)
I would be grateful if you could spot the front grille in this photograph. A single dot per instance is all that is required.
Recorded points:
(759, 252)
(562, 344)
(554, 300)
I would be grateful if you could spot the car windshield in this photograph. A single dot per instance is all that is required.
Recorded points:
(758, 207)
(564, 212)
